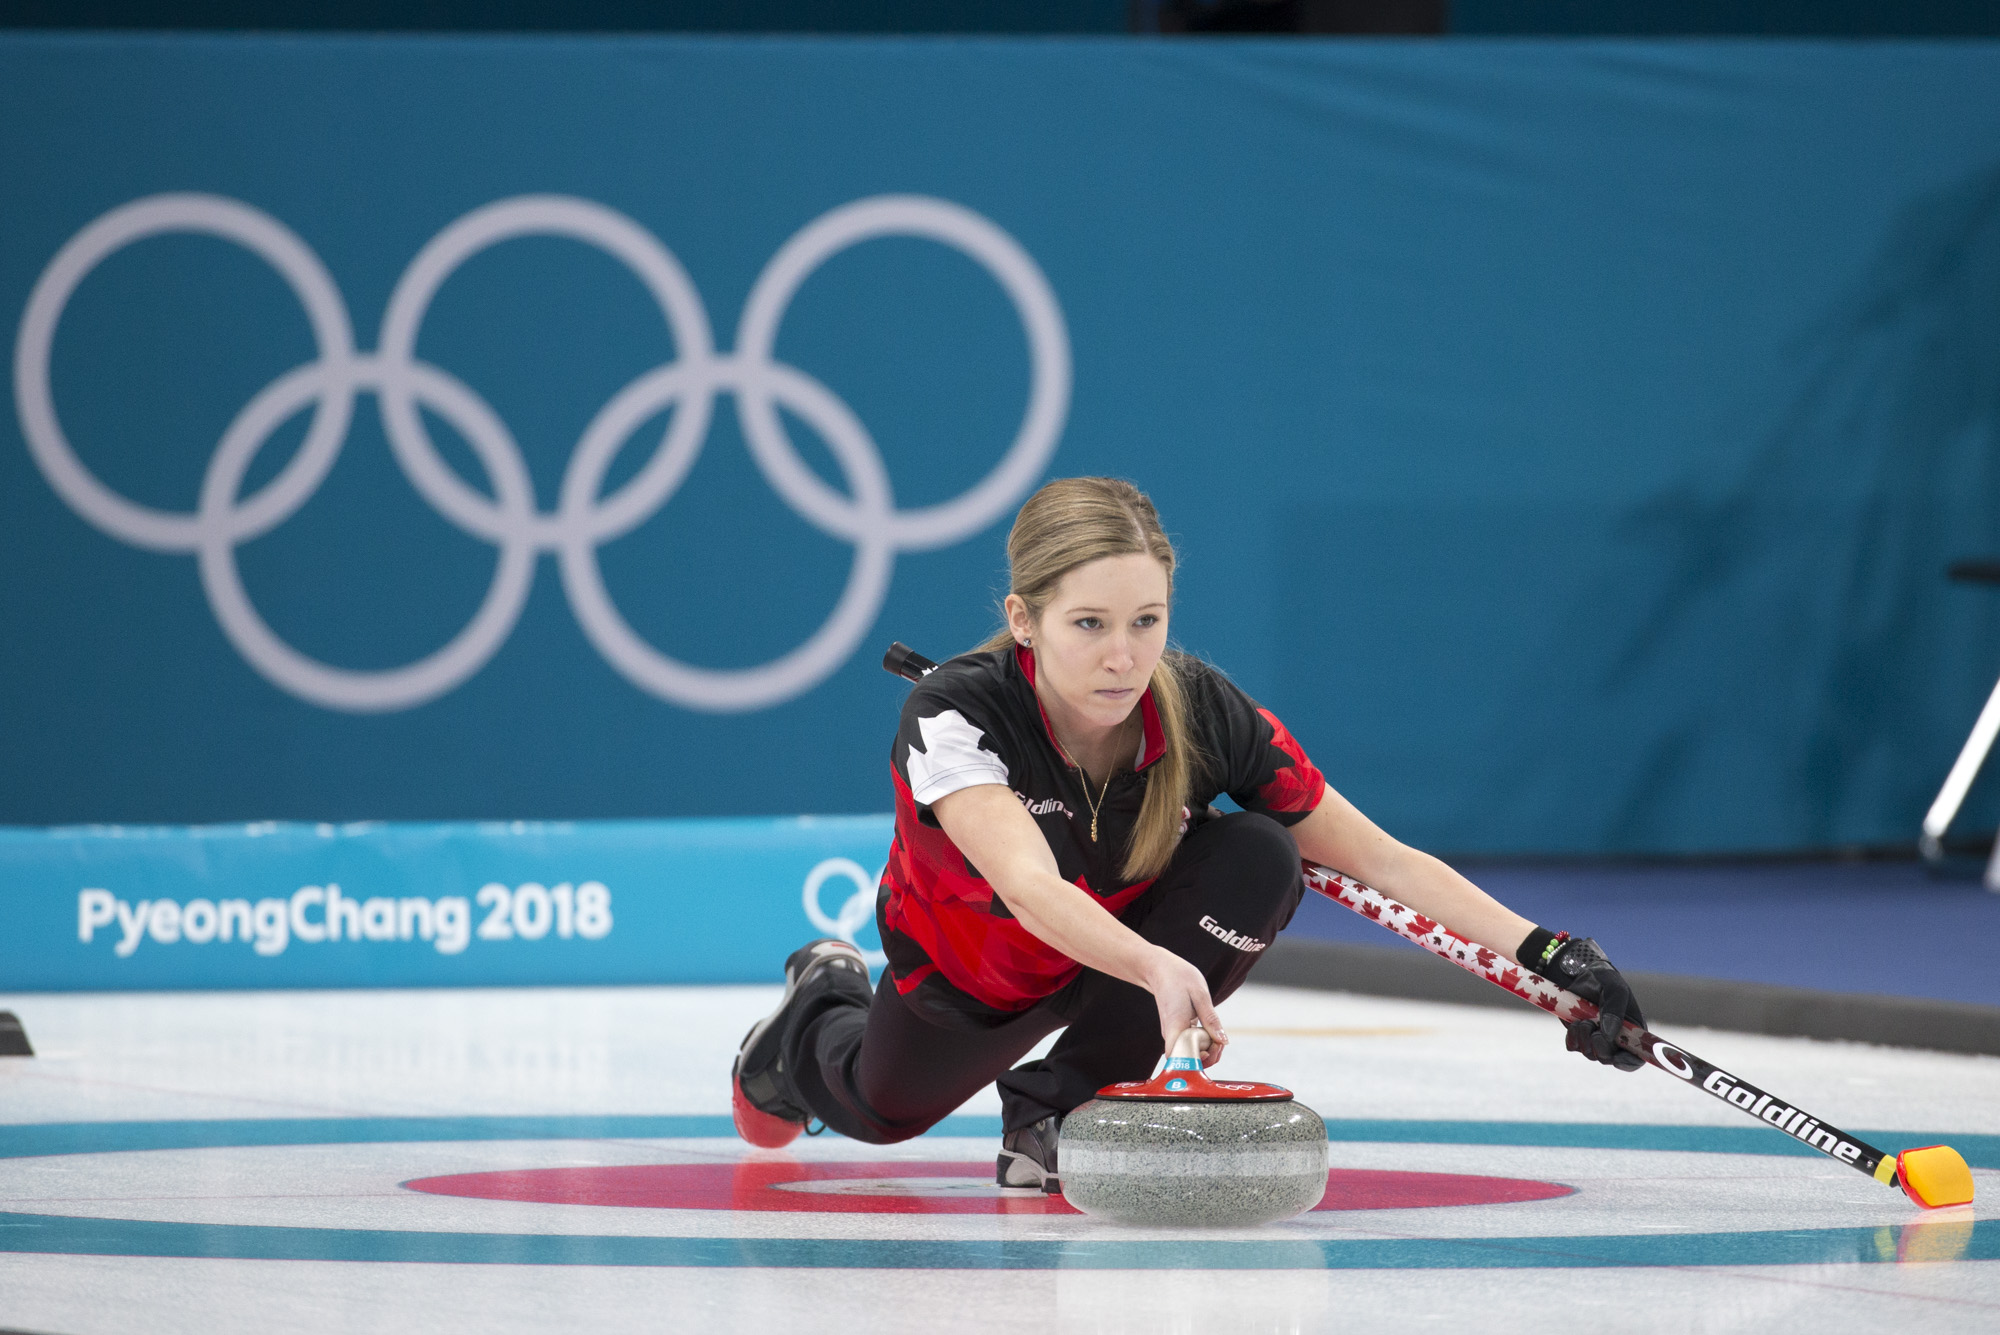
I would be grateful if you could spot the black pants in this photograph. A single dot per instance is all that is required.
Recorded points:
(881, 1072)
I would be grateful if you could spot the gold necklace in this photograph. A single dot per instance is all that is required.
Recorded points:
(1100, 798)
(1083, 781)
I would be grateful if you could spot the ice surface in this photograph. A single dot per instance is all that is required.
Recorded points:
(555, 1053)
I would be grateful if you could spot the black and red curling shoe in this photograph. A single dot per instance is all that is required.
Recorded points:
(761, 1097)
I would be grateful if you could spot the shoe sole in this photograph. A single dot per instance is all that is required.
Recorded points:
(766, 1131)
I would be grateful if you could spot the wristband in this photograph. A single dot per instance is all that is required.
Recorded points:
(1539, 947)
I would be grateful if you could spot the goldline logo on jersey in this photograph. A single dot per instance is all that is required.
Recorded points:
(316, 914)
(1045, 806)
(1248, 944)
(1787, 1119)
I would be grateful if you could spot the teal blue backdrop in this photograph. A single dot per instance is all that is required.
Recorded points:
(1566, 439)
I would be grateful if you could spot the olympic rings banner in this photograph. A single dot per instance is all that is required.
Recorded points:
(585, 519)
(406, 905)
(1565, 439)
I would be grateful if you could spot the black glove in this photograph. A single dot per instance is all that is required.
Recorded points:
(1580, 967)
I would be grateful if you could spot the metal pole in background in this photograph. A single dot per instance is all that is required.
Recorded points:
(1963, 771)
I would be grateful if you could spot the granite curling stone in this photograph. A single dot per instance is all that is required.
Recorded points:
(1183, 1150)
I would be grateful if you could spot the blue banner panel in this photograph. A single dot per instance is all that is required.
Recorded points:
(407, 905)
(1566, 439)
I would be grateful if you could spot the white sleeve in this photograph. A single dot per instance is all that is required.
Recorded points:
(952, 759)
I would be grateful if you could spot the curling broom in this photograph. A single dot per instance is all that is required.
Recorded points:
(1932, 1176)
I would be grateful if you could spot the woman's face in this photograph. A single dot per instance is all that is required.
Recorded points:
(1098, 639)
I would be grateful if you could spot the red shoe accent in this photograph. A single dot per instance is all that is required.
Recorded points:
(759, 1127)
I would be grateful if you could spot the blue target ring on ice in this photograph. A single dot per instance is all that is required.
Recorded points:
(1918, 1239)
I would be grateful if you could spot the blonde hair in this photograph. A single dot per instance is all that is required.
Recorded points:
(1069, 523)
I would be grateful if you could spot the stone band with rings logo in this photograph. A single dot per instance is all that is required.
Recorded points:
(511, 520)
(856, 912)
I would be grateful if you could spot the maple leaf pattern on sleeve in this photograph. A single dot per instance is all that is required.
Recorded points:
(1296, 785)
(953, 756)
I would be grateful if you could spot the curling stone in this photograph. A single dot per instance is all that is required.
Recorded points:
(1183, 1150)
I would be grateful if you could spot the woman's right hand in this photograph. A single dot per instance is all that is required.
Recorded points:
(1181, 993)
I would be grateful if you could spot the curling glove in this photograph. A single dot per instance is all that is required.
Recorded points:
(1579, 966)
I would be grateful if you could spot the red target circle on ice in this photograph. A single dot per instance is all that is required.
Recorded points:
(911, 1188)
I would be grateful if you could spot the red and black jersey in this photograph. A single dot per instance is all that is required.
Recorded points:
(976, 720)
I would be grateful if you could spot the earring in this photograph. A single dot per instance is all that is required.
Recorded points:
(1028, 644)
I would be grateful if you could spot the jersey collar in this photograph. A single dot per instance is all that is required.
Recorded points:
(1149, 713)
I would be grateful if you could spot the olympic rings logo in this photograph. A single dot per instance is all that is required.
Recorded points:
(583, 519)
(856, 913)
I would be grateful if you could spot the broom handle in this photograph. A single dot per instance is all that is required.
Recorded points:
(1678, 1062)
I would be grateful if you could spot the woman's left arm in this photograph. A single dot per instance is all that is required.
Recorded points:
(1338, 836)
